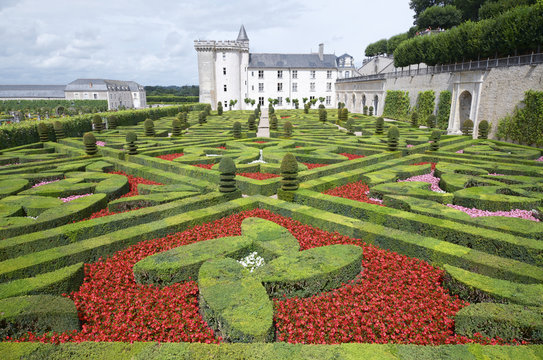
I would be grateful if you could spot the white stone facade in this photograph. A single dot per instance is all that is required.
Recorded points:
(119, 94)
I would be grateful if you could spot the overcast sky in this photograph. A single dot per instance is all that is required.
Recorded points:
(151, 42)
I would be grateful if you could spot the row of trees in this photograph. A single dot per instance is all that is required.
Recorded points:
(53, 107)
(186, 90)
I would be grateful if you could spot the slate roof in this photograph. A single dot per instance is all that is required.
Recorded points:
(242, 36)
(344, 55)
(32, 91)
(103, 85)
(301, 61)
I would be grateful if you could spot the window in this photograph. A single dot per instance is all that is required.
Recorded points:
(225, 104)
(328, 86)
(311, 98)
(225, 87)
(135, 95)
(252, 87)
(294, 87)
(224, 71)
(294, 74)
(346, 74)
(261, 74)
(252, 73)
(279, 86)
(328, 100)
(329, 74)
(95, 96)
(224, 56)
(86, 95)
(261, 100)
(280, 101)
(279, 74)
(311, 86)
(261, 87)
(312, 74)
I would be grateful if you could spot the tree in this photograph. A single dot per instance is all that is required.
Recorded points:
(304, 100)
(287, 100)
(376, 48)
(232, 104)
(418, 6)
(321, 99)
(493, 8)
(439, 17)
(469, 8)
(219, 108)
(394, 41)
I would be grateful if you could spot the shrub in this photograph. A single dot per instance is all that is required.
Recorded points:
(321, 106)
(396, 105)
(323, 115)
(271, 110)
(431, 121)
(434, 138)
(393, 137)
(251, 122)
(425, 105)
(149, 127)
(444, 109)
(467, 127)
(273, 122)
(90, 143)
(227, 182)
(131, 138)
(97, 122)
(289, 173)
(43, 132)
(344, 115)
(287, 127)
(365, 110)
(415, 119)
(526, 124)
(379, 125)
(202, 117)
(207, 109)
(350, 127)
(236, 130)
(306, 108)
(484, 128)
(112, 122)
(176, 127)
(59, 131)
(370, 111)
(219, 108)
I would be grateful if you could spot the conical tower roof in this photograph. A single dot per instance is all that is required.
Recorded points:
(242, 36)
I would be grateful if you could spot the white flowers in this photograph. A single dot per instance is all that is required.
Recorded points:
(252, 261)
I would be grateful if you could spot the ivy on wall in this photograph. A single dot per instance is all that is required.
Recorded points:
(444, 109)
(396, 105)
(525, 126)
(425, 105)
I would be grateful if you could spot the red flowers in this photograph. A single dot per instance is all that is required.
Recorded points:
(355, 191)
(170, 156)
(313, 166)
(204, 166)
(260, 142)
(352, 156)
(424, 163)
(395, 298)
(258, 176)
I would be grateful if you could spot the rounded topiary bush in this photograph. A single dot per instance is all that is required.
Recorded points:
(434, 138)
(323, 115)
(415, 119)
(90, 143)
(365, 110)
(431, 121)
(393, 136)
(379, 126)
(344, 115)
(227, 182)
(287, 129)
(112, 122)
(236, 130)
(207, 109)
(271, 110)
(251, 122)
(484, 128)
(176, 127)
(219, 108)
(97, 123)
(289, 173)
(273, 122)
(43, 132)
(202, 117)
(350, 127)
(149, 127)
(306, 108)
(59, 130)
(467, 127)
(370, 111)
(321, 106)
(131, 138)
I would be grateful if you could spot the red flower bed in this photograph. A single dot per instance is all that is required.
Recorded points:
(355, 191)
(352, 156)
(170, 156)
(312, 166)
(424, 163)
(260, 142)
(258, 176)
(204, 166)
(395, 298)
(285, 117)
(221, 147)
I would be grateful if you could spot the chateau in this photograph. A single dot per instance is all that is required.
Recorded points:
(228, 71)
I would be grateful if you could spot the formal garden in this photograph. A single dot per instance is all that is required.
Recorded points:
(176, 232)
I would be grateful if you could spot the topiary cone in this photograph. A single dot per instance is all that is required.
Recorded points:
(350, 127)
(112, 122)
(176, 127)
(415, 119)
(97, 122)
(59, 131)
(149, 126)
(251, 122)
(236, 130)
(434, 138)
(43, 132)
(379, 126)
(131, 138)
(273, 122)
(289, 173)
(90, 143)
(467, 127)
(227, 182)
(484, 128)
(323, 115)
(393, 137)
(288, 129)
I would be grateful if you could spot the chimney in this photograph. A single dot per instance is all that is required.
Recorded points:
(321, 51)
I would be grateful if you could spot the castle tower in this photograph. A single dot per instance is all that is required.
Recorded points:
(222, 70)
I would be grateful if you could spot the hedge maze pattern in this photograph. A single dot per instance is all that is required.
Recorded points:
(428, 201)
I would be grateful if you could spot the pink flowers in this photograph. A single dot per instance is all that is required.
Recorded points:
(409, 145)
(459, 151)
(45, 183)
(539, 158)
(100, 143)
(427, 178)
(73, 197)
(517, 213)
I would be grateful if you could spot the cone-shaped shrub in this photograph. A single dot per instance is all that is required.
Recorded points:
(434, 138)
(350, 127)
(271, 110)
(176, 127)
(289, 173)
(219, 108)
(323, 115)
(236, 130)
(393, 137)
(365, 110)
(287, 129)
(59, 130)
(273, 122)
(97, 122)
(467, 128)
(182, 116)
(90, 143)
(321, 106)
(415, 119)
(370, 110)
(149, 127)
(43, 132)
(251, 123)
(379, 126)
(207, 109)
(112, 122)
(202, 117)
(344, 115)
(131, 138)
(484, 128)
(306, 108)
(227, 182)
(431, 121)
